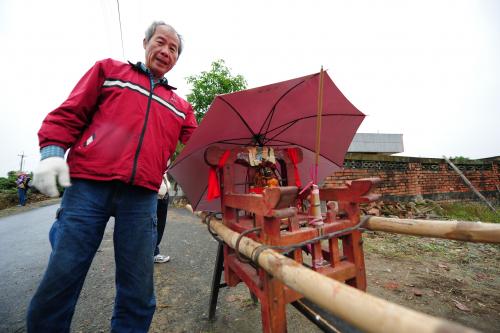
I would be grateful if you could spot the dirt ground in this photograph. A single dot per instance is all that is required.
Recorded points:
(455, 280)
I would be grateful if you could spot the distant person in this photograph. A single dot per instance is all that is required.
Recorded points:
(121, 123)
(161, 214)
(22, 182)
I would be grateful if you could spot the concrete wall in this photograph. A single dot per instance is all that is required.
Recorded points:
(405, 178)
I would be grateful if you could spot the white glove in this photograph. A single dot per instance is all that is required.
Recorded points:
(162, 191)
(44, 177)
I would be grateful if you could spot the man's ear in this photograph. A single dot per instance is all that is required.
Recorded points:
(144, 43)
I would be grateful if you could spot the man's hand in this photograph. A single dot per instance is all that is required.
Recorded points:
(163, 190)
(44, 177)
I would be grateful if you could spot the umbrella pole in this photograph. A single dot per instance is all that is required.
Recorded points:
(318, 124)
(315, 203)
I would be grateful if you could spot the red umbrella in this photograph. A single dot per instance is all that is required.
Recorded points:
(282, 114)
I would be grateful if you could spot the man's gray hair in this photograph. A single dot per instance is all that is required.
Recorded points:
(152, 28)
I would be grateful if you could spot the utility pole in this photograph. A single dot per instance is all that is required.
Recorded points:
(22, 160)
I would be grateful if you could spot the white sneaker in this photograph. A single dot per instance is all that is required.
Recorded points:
(160, 259)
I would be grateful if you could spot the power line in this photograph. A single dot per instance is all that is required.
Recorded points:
(120, 22)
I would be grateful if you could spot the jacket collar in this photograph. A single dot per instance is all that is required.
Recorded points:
(142, 68)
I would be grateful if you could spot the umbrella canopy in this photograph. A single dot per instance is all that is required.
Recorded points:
(282, 114)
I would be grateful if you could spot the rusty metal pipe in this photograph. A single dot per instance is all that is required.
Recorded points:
(323, 319)
(362, 310)
(457, 230)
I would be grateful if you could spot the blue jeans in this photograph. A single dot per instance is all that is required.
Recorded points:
(161, 216)
(75, 237)
(21, 192)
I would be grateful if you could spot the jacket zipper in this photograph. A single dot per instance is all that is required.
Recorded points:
(141, 138)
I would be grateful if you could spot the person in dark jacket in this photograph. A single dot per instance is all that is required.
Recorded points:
(121, 124)
(161, 216)
(22, 188)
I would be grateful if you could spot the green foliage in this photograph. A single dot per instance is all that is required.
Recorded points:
(177, 151)
(8, 183)
(207, 85)
(12, 174)
(470, 211)
(460, 160)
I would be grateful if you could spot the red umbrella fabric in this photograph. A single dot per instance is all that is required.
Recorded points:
(282, 114)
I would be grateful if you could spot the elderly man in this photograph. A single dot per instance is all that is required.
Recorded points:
(122, 122)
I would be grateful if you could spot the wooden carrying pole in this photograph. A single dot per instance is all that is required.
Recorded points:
(457, 230)
(318, 125)
(366, 312)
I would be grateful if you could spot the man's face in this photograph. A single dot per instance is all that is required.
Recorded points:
(162, 51)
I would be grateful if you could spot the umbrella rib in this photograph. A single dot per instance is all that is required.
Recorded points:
(293, 122)
(242, 119)
(228, 142)
(285, 127)
(201, 196)
(267, 121)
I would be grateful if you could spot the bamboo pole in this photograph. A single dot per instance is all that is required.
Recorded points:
(318, 125)
(366, 312)
(457, 230)
(469, 184)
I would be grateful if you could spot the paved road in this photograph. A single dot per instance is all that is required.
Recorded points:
(24, 252)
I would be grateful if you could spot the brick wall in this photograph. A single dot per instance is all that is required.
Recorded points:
(405, 178)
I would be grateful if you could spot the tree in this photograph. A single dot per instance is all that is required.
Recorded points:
(8, 183)
(207, 85)
(461, 160)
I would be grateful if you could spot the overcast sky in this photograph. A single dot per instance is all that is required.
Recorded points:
(428, 69)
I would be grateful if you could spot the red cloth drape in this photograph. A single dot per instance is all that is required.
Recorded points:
(213, 190)
(292, 152)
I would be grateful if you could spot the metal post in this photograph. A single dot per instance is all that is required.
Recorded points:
(22, 159)
(216, 285)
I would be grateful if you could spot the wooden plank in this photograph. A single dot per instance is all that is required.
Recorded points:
(355, 191)
(275, 201)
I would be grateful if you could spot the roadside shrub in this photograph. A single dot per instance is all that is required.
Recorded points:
(8, 183)
(470, 211)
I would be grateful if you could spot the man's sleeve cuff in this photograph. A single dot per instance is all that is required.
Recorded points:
(51, 151)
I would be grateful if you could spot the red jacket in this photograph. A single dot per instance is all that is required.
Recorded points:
(117, 129)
